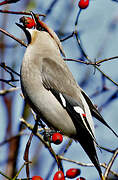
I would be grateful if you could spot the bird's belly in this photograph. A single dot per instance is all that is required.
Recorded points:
(44, 102)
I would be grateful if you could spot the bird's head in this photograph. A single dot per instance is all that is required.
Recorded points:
(34, 23)
(38, 25)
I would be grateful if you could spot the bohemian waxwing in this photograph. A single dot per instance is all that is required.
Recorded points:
(52, 92)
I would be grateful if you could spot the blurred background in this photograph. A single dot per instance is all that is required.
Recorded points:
(98, 30)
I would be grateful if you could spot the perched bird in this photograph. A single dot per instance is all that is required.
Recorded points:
(52, 92)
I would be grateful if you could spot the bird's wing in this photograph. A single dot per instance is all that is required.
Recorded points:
(96, 113)
(84, 135)
(57, 78)
(75, 112)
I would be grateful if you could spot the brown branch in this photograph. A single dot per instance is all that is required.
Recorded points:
(110, 163)
(80, 45)
(47, 145)
(9, 70)
(80, 61)
(26, 155)
(87, 57)
(107, 59)
(19, 12)
(13, 37)
(86, 164)
(9, 82)
(68, 37)
(5, 91)
(106, 76)
(108, 150)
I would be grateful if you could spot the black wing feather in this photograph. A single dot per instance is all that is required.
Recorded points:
(96, 113)
(83, 136)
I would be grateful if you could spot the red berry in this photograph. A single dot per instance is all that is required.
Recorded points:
(72, 173)
(59, 175)
(81, 178)
(57, 138)
(37, 178)
(83, 4)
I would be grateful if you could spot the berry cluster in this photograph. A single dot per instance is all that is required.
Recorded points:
(70, 173)
(59, 175)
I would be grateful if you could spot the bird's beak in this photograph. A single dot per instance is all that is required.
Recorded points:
(27, 33)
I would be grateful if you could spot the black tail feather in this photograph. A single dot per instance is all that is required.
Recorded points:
(90, 149)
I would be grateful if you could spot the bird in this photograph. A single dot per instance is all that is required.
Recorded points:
(52, 92)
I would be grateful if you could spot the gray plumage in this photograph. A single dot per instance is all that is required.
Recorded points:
(46, 69)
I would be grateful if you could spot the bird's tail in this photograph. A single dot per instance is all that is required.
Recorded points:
(89, 148)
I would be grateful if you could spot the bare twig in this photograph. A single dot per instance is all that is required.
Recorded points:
(80, 61)
(19, 12)
(50, 8)
(106, 76)
(5, 175)
(9, 82)
(13, 37)
(86, 164)
(110, 163)
(107, 59)
(9, 69)
(5, 91)
(25, 164)
(87, 57)
(8, 2)
(26, 155)
(113, 172)
(43, 141)
(68, 37)
(108, 150)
